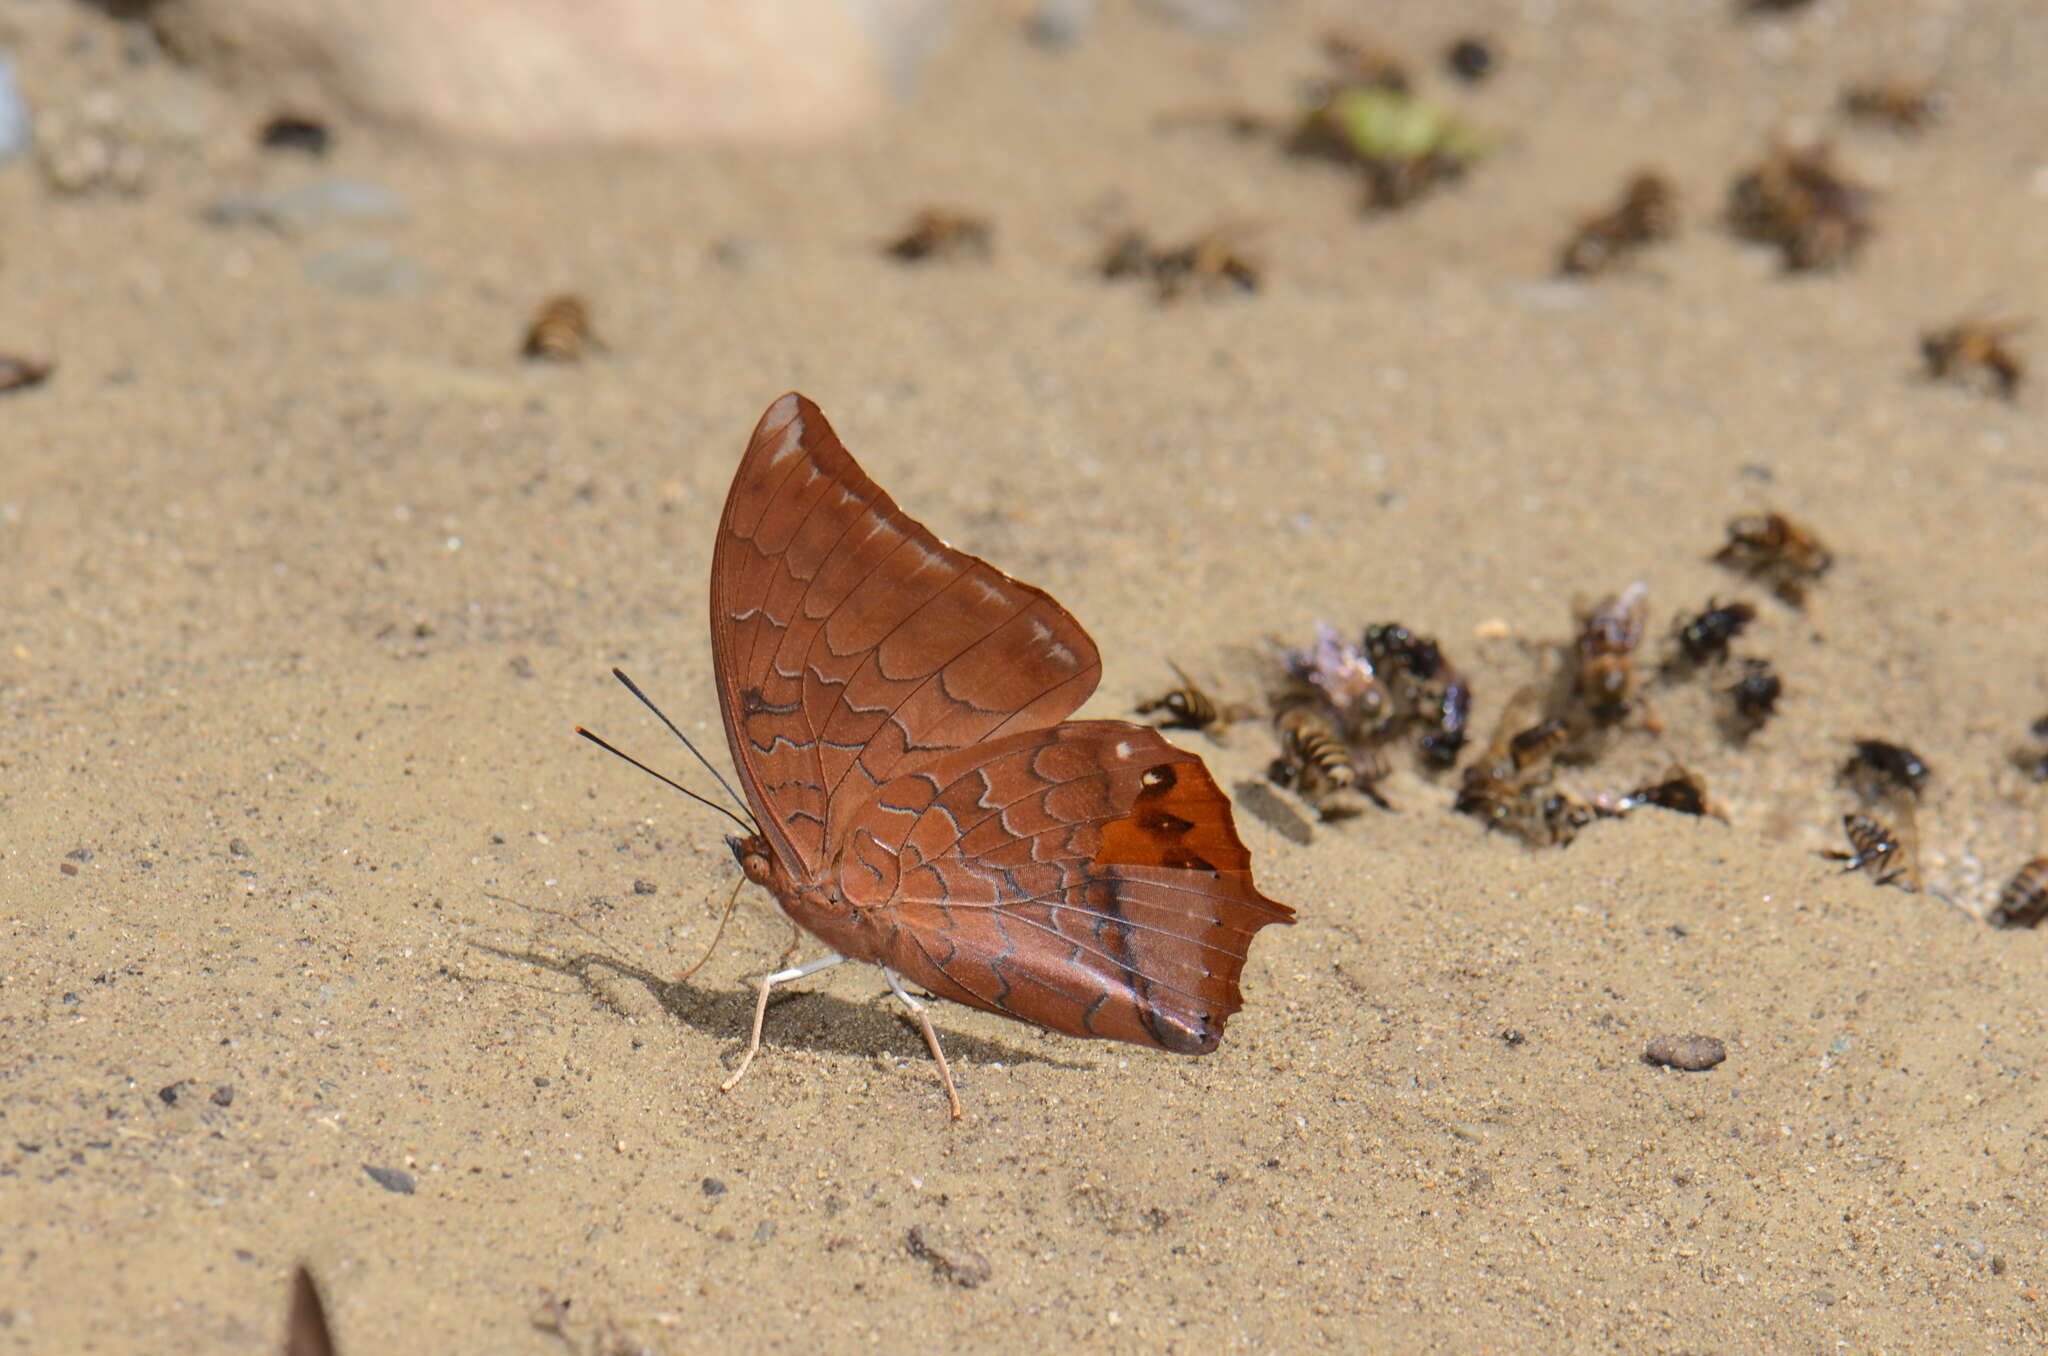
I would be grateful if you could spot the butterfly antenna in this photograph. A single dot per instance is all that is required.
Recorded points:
(716, 775)
(663, 777)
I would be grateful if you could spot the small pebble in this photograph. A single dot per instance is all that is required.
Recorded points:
(16, 128)
(68, 868)
(169, 1092)
(645, 887)
(322, 202)
(391, 1179)
(237, 848)
(1056, 24)
(223, 1096)
(713, 1187)
(1686, 1052)
(367, 268)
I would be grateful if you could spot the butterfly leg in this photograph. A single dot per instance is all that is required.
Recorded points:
(922, 1012)
(768, 983)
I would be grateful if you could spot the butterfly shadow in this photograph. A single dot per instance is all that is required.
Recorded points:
(823, 1023)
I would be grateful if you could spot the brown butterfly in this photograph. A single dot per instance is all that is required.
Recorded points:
(897, 712)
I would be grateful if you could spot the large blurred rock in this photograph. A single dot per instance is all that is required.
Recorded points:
(542, 72)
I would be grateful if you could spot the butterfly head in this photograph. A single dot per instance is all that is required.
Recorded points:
(755, 859)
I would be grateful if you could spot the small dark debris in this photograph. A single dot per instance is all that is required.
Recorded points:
(712, 1186)
(293, 132)
(551, 1315)
(237, 848)
(223, 1096)
(169, 1093)
(1511, 1038)
(1692, 1053)
(952, 1262)
(19, 374)
(391, 1179)
(68, 868)
(1879, 767)
(1268, 808)
(542, 1080)
(645, 887)
(79, 855)
(1470, 59)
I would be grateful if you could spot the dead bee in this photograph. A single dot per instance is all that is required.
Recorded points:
(1187, 707)
(1347, 679)
(1608, 636)
(1974, 352)
(1798, 201)
(1505, 786)
(1879, 770)
(1903, 105)
(2023, 903)
(1704, 639)
(1209, 264)
(1681, 791)
(560, 331)
(18, 374)
(938, 233)
(1646, 214)
(1562, 817)
(1360, 63)
(1426, 689)
(1755, 697)
(1876, 848)
(1772, 549)
(1403, 145)
(1314, 758)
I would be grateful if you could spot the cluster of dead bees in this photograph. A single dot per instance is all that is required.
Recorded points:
(1336, 708)
(1365, 115)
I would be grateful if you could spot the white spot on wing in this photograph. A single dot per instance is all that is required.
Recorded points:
(1124, 748)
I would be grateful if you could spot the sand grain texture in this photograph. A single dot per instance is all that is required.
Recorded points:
(305, 592)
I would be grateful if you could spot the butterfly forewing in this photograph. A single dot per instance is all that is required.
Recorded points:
(1086, 878)
(851, 643)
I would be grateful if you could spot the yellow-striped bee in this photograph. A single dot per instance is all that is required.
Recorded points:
(1647, 213)
(1975, 352)
(560, 331)
(1876, 847)
(1314, 758)
(1903, 105)
(1188, 707)
(1773, 549)
(2024, 901)
(938, 233)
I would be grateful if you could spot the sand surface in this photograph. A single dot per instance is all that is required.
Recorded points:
(305, 591)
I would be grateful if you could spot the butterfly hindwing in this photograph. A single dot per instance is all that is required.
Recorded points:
(1085, 877)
